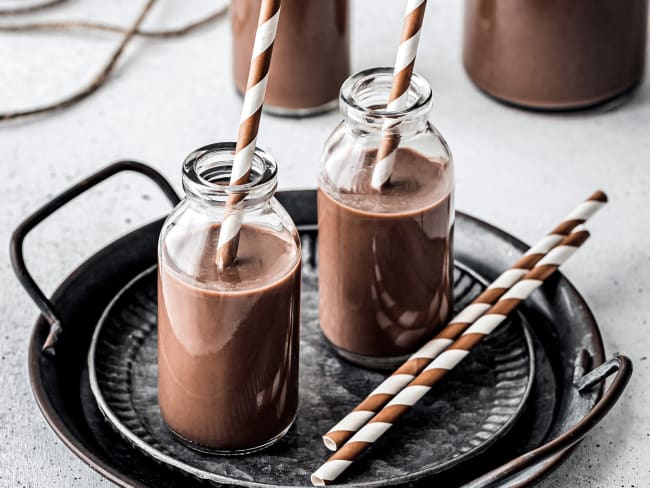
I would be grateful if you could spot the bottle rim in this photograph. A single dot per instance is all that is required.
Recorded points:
(358, 90)
(207, 170)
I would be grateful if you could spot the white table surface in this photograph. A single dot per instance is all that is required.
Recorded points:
(521, 171)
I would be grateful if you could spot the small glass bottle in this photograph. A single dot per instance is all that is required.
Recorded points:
(311, 57)
(228, 339)
(385, 256)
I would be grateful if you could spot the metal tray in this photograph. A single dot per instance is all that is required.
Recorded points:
(565, 401)
(476, 405)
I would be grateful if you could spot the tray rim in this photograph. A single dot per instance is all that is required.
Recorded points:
(72, 442)
(149, 450)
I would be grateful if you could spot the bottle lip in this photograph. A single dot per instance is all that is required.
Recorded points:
(377, 82)
(206, 173)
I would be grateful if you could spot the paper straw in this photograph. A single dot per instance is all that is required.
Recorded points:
(453, 355)
(381, 395)
(248, 127)
(398, 98)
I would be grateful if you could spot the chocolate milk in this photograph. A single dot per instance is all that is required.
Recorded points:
(310, 56)
(555, 54)
(228, 342)
(385, 259)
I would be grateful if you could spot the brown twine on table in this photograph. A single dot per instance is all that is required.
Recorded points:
(103, 75)
(31, 8)
(99, 26)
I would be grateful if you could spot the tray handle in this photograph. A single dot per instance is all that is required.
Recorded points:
(619, 364)
(16, 246)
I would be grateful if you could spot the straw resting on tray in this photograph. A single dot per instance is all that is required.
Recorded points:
(352, 422)
(428, 372)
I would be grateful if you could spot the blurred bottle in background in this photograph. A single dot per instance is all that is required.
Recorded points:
(311, 56)
(555, 54)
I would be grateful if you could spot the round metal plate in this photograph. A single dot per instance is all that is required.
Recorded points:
(563, 329)
(473, 407)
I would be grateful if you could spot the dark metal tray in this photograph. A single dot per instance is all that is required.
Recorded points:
(564, 404)
(477, 404)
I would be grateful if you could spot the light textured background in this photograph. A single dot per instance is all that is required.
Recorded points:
(518, 170)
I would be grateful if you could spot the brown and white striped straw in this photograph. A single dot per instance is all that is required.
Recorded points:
(248, 127)
(392, 385)
(398, 97)
(452, 356)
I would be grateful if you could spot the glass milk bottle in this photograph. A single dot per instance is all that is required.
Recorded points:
(385, 256)
(311, 56)
(228, 338)
(558, 55)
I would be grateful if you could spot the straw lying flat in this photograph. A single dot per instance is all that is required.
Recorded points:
(444, 363)
(352, 422)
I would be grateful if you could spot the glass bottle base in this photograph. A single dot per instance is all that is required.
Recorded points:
(298, 112)
(230, 452)
(372, 362)
(301, 112)
(602, 103)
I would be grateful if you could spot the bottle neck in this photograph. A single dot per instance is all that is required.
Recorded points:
(364, 97)
(206, 178)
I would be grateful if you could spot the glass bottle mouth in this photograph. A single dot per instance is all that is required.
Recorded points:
(364, 97)
(206, 174)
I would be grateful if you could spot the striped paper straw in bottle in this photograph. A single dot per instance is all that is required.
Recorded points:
(248, 127)
(452, 356)
(398, 97)
(392, 385)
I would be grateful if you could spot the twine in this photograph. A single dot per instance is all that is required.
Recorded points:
(100, 79)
